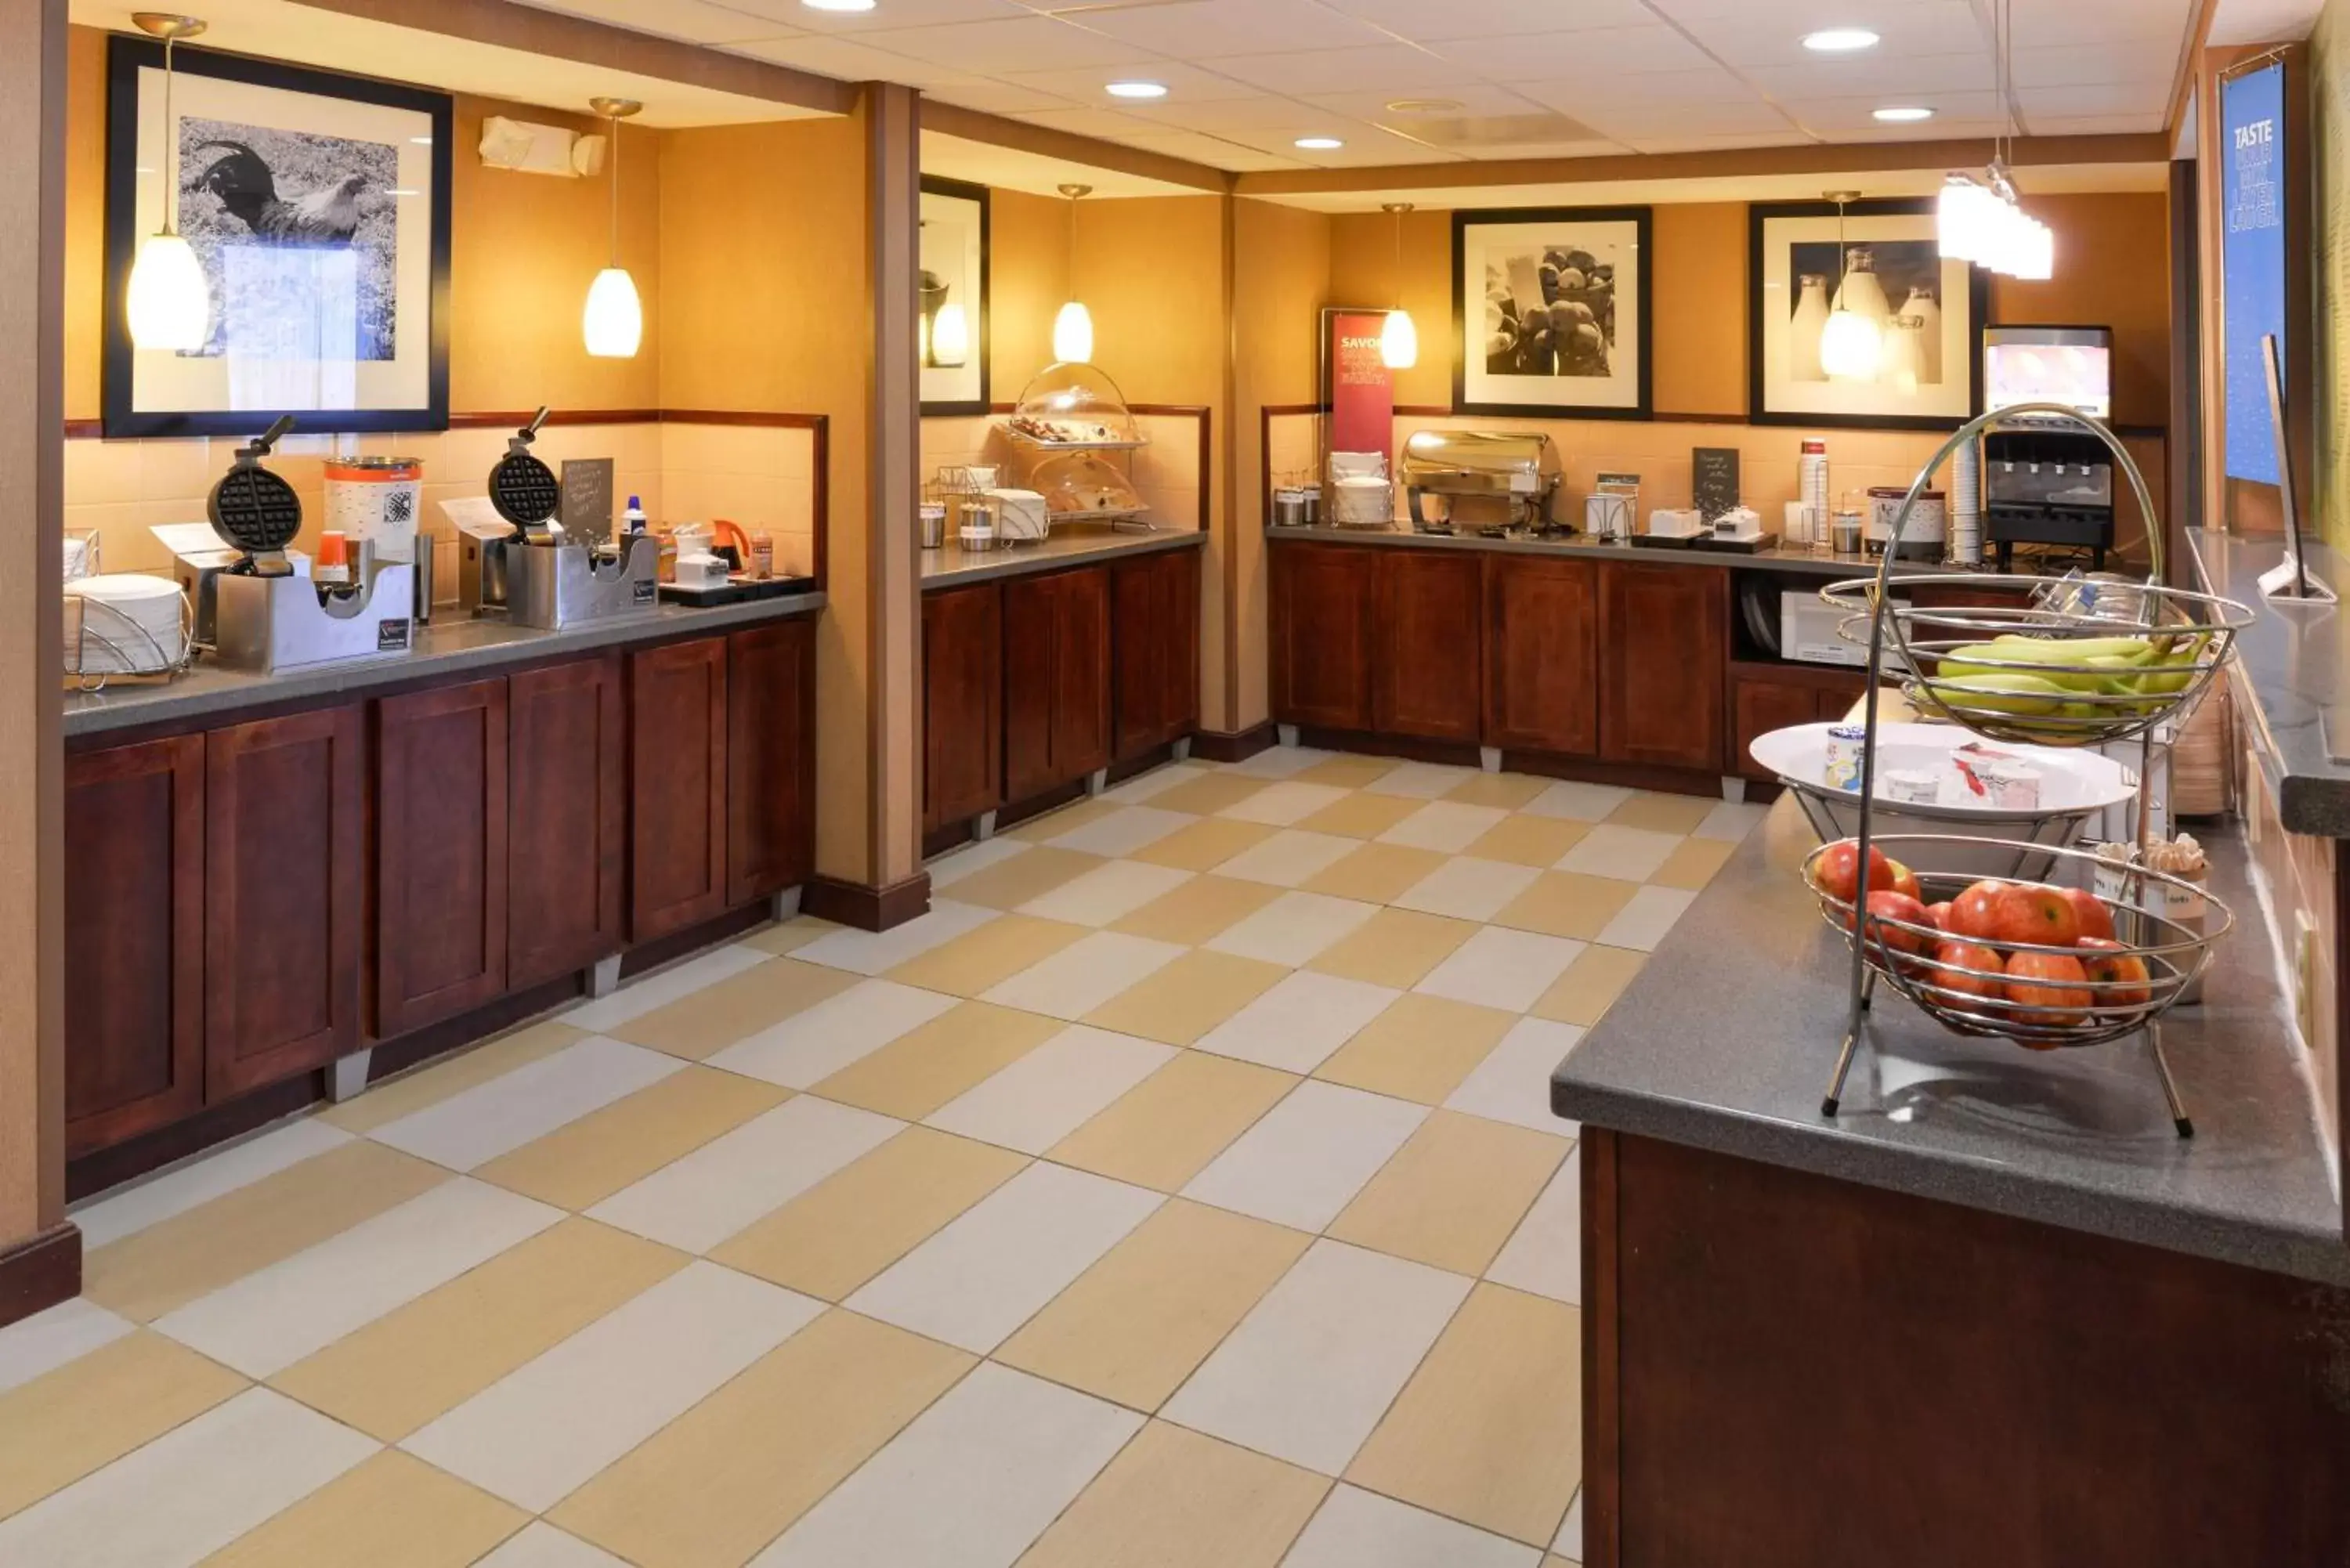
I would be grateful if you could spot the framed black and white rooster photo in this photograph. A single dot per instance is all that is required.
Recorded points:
(317, 206)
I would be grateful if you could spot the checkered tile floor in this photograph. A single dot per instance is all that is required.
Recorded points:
(1179, 1191)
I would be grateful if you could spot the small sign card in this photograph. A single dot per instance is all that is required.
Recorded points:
(1713, 477)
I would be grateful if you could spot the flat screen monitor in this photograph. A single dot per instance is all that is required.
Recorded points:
(2069, 365)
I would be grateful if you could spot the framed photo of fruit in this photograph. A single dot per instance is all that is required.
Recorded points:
(953, 327)
(1551, 312)
(1910, 362)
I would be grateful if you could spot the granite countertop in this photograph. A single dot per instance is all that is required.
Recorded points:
(451, 645)
(1726, 1040)
(2296, 662)
(1774, 559)
(953, 567)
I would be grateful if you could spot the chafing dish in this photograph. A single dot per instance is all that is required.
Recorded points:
(1483, 476)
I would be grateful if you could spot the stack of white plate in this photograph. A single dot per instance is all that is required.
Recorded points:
(123, 623)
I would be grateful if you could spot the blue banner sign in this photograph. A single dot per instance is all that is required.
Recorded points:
(2252, 260)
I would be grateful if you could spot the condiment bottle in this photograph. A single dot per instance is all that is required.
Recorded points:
(763, 556)
(633, 519)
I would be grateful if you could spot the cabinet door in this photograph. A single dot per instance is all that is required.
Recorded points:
(962, 704)
(677, 795)
(283, 850)
(1428, 671)
(1542, 664)
(441, 819)
(1139, 678)
(770, 760)
(1321, 625)
(1666, 632)
(567, 826)
(1081, 729)
(1759, 707)
(134, 958)
(1179, 625)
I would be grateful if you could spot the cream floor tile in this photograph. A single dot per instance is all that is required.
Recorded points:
(992, 1269)
(867, 1215)
(1421, 781)
(1285, 804)
(75, 1419)
(1569, 1544)
(1062, 819)
(1049, 1093)
(1347, 772)
(133, 1208)
(1501, 968)
(435, 1082)
(1647, 918)
(1452, 1196)
(481, 1124)
(837, 1032)
(1015, 878)
(1448, 826)
(1290, 858)
(996, 951)
(1545, 1256)
(1123, 831)
(1730, 821)
(970, 1483)
(194, 1253)
(539, 1544)
(1149, 786)
(1189, 997)
(1169, 1126)
(273, 1317)
(1512, 1083)
(1577, 802)
(698, 1201)
(1305, 1158)
(1375, 873)
(1360, 814)
(1199, 910)
(1590, 986)
(1174, 1499)
(1693, 863)
(1628, 854)
(1420, 1049)
(1674, 813)
(1085, 975)
(1283, 762)
(1489, 1429)
(959, 865)
(927, 1066)
(1308, 1374)
(1293, 927)
(789, 936)
(1508, 790)
(1393, 948)
(1204, 844)
(1209, 794)
(1467, 889)
(739, 1006)
(1135, 1325)
(1525, 840)
(871, 953)
(37, 1345)
(393, 1512)
(648, 993)
(735, 1471)
(591, 1158)
(1299, 1021)
(424, 1360)
(538, 1433)
(1108, 892)
(1356, 1529)
(1567, 904)
(191, 1491)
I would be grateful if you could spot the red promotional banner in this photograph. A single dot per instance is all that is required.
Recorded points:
(1362, 387)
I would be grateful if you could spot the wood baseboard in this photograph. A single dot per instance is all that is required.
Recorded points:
(1628, 776)
(40, 1273)
(1460, 753)
(692, 939)
(1215, 746)
(868, 909)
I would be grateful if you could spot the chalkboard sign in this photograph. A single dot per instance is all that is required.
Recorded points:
(1713, 475)
(585, 512)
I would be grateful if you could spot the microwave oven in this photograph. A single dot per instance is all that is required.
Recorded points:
(1807, 632)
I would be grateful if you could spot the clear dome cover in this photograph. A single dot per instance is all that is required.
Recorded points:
(1077, 406)
(1080, 485)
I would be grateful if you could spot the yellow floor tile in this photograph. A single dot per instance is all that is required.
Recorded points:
(1063, 819)
(1523, 840)
(586, 1161)
(1209, 794)
(1164, 1129)
(393, 1512)
(1394, 948)
(167, 1265)
(1454, 1193)
(1376, 874)
(1418, 1049)
(1567, 904)
(1204, 844)
(1556, 1561)
(1489, 1429)
(713, 1487)
(789, 936)
(866, 1216)
(1136, 1323)
(404, 1095)
(729, 1010)
(1174, 1499)
(410, 1366)
(1030, 874)
(1663, 812)
(1590, 986)
(916, 1073)
(1349, 772)
(1198, 911)
(61, 1425)
(1508, 790)
(1693, 863)
(1361, 815)
(994, 951)
(1187, 998)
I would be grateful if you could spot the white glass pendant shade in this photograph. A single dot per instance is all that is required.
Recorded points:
(1399, 341)
(2035, 252)
(169, 306)
(1851, 347)
(950, 337)
(1073, 335)
(614, 321)
(1965, 220)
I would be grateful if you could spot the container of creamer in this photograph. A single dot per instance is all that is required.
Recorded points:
(375, 499)
(1847, 744)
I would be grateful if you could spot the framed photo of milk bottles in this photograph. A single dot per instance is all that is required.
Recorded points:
(1853, 317)
(952, 330)
(1550, 313)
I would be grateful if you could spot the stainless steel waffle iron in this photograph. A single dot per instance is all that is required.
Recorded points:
(535, 574)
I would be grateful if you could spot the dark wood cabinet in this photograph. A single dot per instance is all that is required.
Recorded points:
(134, 941)
(1666, 630)
(440, 820)
(1056, 663)
(1155, 650)
(770, 760)
(1322, 634)
(1541, 655)
(1763, 698)
(1427, 665)
(283, 897)
(677, 786)
(962, 704)
(568, 826)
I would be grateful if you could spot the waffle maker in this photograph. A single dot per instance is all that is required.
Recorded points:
(521, 487)
(256, 509)
(535, 575)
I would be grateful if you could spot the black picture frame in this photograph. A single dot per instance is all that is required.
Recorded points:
(1759, 217)
(1642, 220)
(962, 190)
(126, 57)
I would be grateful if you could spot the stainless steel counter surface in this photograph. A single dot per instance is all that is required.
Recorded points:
(2296, 662)
(448, 647)
(1770, 560)
(1726, 1039)
(952, 568)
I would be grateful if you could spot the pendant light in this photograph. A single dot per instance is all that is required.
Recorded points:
(949, 344)
(1852, 346)
(1073, 329)
(168, 304)
(1399, 339)
(1982, 220)
(614, 321)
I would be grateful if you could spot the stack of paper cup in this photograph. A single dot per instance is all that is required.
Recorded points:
(1966, 505)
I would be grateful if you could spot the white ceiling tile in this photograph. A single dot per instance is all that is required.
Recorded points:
(1395, 70)
(1766, 34)
(1206, 30)
(1789, 138)
(1855, 78)
(1549, 57)
(1425, 22)
(1627, 120)
(2106, 22)
(1576, 94)
(1259, 111)
(1210, 151)
(2099, 124)
(695, 21)
(1105, 123)
(850, 60)
(2102, 99)
(1022, 44)
(995, 97)
(1090, 84)
(1476, 103)
(887, 14)
(1837, 117)
(2075, 65)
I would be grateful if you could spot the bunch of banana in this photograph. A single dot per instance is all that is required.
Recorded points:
(2072, 678)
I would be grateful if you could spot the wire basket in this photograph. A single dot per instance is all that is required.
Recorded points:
(103, 645)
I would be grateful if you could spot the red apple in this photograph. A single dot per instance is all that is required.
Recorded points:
(1970, 970)
(2050, 980)
(1897, 946)
(1837, 872)
(1905, 881)
(1971, 912)
(2121, 972)
(2029, 912)
(2095, 919)
(1940, 914)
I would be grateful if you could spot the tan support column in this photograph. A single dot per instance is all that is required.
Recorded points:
(40, 1254)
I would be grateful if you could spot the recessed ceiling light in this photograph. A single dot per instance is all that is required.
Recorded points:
(1839, 40)
(1320, 143)
(1138, 89)
(837, 4)
(1909, 115)
(1424, 106)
